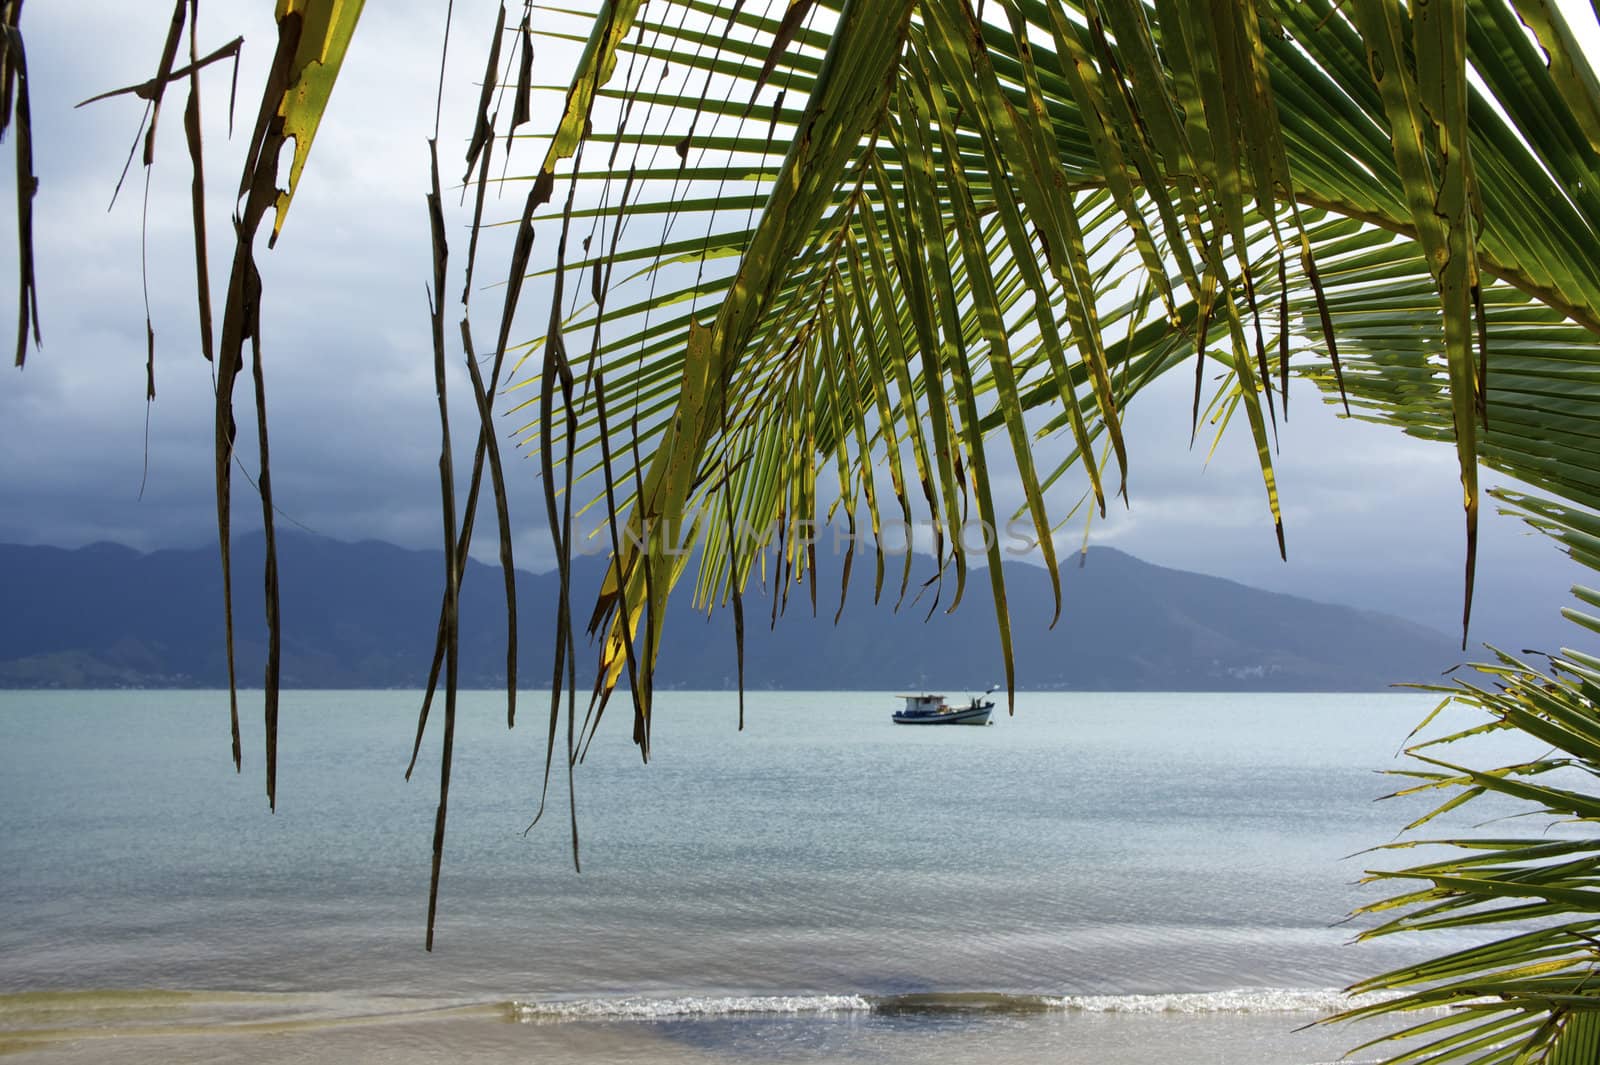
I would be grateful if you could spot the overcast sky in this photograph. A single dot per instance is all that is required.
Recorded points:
(1372, 518)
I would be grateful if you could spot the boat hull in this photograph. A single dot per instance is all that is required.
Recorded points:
(966, 715)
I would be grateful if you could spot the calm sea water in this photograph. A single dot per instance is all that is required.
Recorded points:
(1107, 878)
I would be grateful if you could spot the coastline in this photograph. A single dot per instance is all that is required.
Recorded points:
(1259, 1026)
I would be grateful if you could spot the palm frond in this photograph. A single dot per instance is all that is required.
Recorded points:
(987, 226)
(916, 245)
(1530, 994)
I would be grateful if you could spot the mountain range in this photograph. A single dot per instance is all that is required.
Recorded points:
(363, 615)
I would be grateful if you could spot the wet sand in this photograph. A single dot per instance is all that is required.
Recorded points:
(144, 1028)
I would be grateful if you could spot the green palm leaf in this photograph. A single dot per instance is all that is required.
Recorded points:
(871, 239)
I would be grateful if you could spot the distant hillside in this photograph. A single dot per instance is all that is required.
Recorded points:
(362, 615)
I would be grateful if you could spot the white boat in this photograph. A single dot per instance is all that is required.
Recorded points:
(933, 710)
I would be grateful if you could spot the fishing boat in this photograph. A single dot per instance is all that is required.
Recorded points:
(933, 710)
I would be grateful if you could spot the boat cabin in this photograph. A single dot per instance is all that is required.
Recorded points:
(922, 703)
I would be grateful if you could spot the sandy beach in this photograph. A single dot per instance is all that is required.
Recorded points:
(133, 1028)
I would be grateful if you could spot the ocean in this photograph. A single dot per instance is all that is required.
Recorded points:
(1128, 879)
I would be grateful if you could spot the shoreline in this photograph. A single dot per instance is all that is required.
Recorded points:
(141, 1027)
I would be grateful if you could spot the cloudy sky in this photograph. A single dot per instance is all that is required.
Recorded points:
(1372, 518)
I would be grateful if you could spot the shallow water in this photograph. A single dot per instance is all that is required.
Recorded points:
(1107, 878)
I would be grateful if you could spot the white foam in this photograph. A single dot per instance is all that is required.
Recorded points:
(1245, 1000)
(1238, 1000)
(648, 1009)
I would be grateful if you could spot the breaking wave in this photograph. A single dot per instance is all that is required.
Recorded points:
(1239, 1000)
